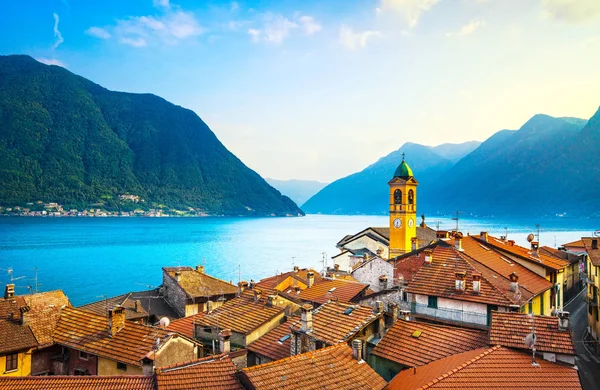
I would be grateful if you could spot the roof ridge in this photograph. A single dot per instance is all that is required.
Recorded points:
(460, 367)
(298, 356)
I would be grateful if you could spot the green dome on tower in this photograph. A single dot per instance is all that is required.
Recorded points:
(403, 171)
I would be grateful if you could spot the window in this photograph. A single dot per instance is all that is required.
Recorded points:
(207, 329)
(80, 372)
(398, 197)
(411, 196)
(432, 302)
(121, 366)
(530, 307)
(83, 355)
(12, 362)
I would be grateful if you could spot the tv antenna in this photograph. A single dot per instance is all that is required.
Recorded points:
(150, 287)
(457, 213)
(537, 226)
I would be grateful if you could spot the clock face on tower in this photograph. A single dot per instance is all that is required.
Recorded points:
(411, 223)
(397, 222)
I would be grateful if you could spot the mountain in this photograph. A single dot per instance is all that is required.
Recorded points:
(297, 190)
(65, 139)
(365, 192)
(455, 152)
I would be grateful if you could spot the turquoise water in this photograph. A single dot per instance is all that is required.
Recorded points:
(92, 257)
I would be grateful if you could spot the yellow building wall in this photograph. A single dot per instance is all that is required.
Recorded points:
(560, 279)
(109, 367)
(24, 367)
(264, 328)
(593, 322)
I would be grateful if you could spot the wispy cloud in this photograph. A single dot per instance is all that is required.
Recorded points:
(467, 29)
(57, 34)
(572, 11)
(98, 32)
(353, 40)
(51, 61)
(275, 28)
(164, 4)
(309, 24)
(410, 10)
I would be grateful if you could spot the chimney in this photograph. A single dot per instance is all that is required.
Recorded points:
(23, 311)
(296, 269)
(458, 241)
(379, 252)
(209, 306)
(336, 267)
(383, 282)
(9, 291)
(484, 236)
(178, 275)
(257, 295)
(476, 282)
(460, 281)
(393, 308)
(511, 242)
(563, 320)
(514, 282)
(378, 307)
(116, 320)
(306, 318)
(594, 243)
(357, 349)
(271, 300)
(138, 306)
(225, 341)
(405, 314)
(428, 256)
(414, 243)
(200, 269)
(534, 248)
(242, 286)
(310, 279)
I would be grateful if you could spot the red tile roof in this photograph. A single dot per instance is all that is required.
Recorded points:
(593, 254)
(131, 382)
(14, 336)
(405, 268)
(568, 256)
(185, 325)
(213, 372)
(44, 313)
(286, 280)
(327, 289)
(332, 325)
(326, 368)
(124, 300)
(88, 332)
(575, 244)
(493, 369)
(199, 284)
(434, 342)
(270, 344)
(509, 329)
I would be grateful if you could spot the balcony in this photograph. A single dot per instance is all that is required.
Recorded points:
(449, 315)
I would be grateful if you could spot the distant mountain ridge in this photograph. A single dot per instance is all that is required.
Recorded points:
(549, 167)
(65, 139)
(297, 190)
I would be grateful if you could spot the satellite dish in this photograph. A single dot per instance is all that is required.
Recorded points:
(530, 237)
(530, 339)
(164, 322)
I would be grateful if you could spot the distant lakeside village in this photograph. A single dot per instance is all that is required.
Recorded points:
(404, 306)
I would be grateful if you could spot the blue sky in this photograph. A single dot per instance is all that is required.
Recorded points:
(320, 89)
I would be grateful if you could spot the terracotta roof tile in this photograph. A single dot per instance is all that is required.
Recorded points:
(44, 313)
(328, 289)
(185, 325)
(213, 372)
(101, 307)
(575, 244)
(434, 342)
(494, 369)
(542, 259)
(88, 332)
(241, 314)
(326, 368)
(568, 256)
(199, 284)
(15, 337)
(131, 382)
(593, 254)
(509, 329)
(332, 325)
(286, 280)
(270, 344)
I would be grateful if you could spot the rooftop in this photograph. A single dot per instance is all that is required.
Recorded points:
(401, 345)
(493, 369)
(563, 254)
(129, 382)
(326, 368)
(185, 325)
(273, 344)
(44, 313)
(327, 289)
(593, 254)
(286, 280)
(213, 372)
(196, 283)
(403, 171)
(336, 322)
(509, 330)
(15, 337)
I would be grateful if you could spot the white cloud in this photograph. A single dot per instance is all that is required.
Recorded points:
(275, 29)
(356, 40)
(164, 4)
(51, 61)
(309, 24)
(467, 29)
(411, 10)
(572, 11)
(98, 32)
(135, 42)
(57, 34)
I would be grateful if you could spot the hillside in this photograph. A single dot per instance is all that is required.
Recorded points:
(297, 190)
(455, 152)
(65, 139)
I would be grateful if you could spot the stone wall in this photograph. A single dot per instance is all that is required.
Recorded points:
(370, 272)
(174, 294)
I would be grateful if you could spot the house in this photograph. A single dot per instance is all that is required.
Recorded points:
(335, 367)
(572, 283)
(488, 368)
(411, 343)
(17, 341)
(273, 345)
(376, 272)
(553, 334)
(145, 307)
(348, 258)
(214, 372)
(99, 345)
(248, 316)
(333, 323)
(576, 246)
(593, 285)
(61, 382)
(289, 282)
(336, 289)
(190, 291)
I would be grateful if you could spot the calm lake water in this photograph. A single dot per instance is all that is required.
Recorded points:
(91, 257)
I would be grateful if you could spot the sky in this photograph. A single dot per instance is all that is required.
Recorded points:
(317, 90)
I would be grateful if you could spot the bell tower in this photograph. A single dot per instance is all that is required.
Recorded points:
(403, 210)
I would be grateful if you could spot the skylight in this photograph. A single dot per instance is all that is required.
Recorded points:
(284, 338)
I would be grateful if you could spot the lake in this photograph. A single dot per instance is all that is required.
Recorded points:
(91, 257)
